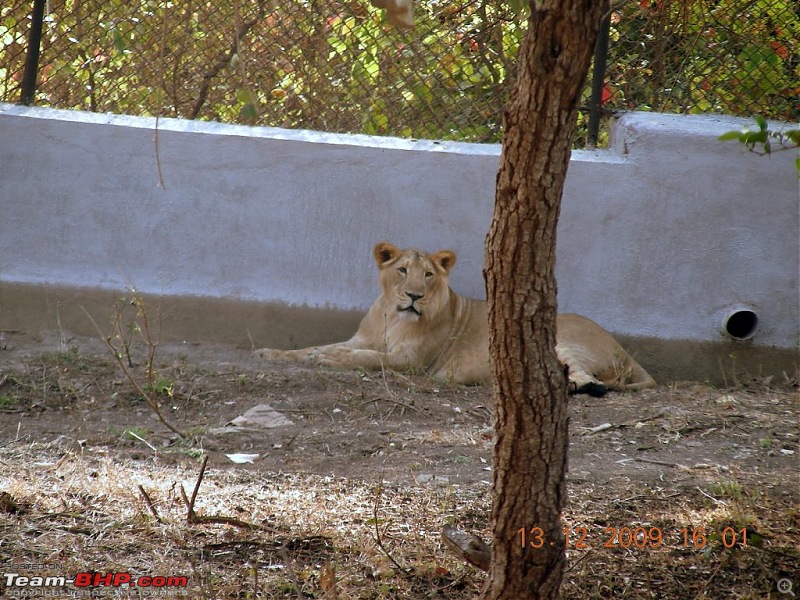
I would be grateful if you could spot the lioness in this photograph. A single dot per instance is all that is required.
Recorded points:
(419, 324)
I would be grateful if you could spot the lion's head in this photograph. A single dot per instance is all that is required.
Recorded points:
(415, 282)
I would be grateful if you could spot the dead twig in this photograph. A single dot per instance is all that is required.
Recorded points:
(701, 593)
(399, 403)
(378, 539)
(149, 397)
(657, 462)
(579, 561)
(15, 440)
(631, 423)
(290, 571)
(710, 497)
(150, 504)
(193, 518)
(161, 51)
(200, 476)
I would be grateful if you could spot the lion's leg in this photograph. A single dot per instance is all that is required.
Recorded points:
(580, 379)
(639, 379)
(629, 377)
(303, 356)
(365, 358)
(343, 355)
(626, 375)
(586, 384)
(581, 382)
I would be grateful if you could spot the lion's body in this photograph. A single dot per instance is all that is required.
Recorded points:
(419, 324)
(594, 357)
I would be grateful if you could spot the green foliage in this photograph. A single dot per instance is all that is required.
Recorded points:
(163, 387)
(765, 140)
(135, 433)
(731, 56)
(338, 66)
(365, 77)
(729, 489)
(7, 402)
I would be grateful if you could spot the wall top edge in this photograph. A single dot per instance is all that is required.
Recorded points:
(705, 124)
(274, 133)
(627, 126)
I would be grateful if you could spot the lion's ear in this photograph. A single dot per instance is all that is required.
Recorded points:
(445, 259)
(385, 253)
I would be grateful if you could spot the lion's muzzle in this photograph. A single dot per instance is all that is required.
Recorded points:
(411, 308)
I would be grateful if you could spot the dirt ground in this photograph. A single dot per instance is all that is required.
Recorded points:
(336, 484)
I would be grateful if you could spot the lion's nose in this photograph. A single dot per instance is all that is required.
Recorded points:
(414, 297)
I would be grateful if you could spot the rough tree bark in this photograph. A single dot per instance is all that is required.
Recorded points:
(530, 455)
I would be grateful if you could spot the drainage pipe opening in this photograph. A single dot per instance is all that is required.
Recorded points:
(740, 324)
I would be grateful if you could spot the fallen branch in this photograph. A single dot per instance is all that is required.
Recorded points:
(469, 548)
(631, 423)
(657, 462)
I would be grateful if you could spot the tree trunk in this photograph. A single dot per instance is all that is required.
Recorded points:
(530, 455)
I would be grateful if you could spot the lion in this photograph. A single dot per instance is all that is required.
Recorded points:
(419, 324)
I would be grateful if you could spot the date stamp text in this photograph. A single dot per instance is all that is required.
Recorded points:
(640, 538)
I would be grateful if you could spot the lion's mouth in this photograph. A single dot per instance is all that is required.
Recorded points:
(411, 309)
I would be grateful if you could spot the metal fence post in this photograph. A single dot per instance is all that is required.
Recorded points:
(598, 80)
(32, 58)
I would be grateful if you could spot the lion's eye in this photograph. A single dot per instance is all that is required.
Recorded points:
(428, 274)
(403, 270)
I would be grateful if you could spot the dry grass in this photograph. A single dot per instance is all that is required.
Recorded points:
(84, 513)
(79, 493)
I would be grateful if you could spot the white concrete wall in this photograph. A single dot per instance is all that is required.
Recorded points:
(659, 236)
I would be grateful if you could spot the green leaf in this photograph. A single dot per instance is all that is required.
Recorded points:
(793, 135)
(754, 137)
(338, 46)
(762, 122)
(163, 386)
(246, 97)
(518, 6)
(119, 41)
(730, 135)
(248, 113)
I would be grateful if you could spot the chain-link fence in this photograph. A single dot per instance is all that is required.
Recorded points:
(335, 65)
(738, 57)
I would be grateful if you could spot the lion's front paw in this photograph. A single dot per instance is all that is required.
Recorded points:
(324, 360)
(307, 356)
(340, 357)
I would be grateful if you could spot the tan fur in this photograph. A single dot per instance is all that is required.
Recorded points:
(419, 324)
(399, 13)
(594, 357)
